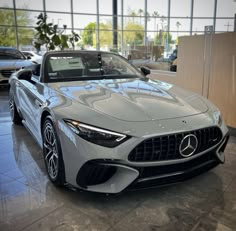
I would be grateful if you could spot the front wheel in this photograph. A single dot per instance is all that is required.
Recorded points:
(15, 117)
(52, 153)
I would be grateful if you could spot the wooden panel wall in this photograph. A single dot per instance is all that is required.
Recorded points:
(222, 87)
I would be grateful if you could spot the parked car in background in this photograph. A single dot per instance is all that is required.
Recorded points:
(35, 58)
(173, 60)
(173, 66)
(173, 55)
(11, 60)
(164, 66)
(104, 126)
(139, 59)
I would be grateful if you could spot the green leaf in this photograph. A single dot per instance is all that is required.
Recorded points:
(55, 27)
(56, 40)
(40, 16)
(51, 47)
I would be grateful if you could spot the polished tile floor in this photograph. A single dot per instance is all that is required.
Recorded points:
(28, 201)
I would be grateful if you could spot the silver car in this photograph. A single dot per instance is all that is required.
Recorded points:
(11, 60)
(35, 58)
(104, 126)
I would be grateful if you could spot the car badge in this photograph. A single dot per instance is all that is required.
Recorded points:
(188, 145)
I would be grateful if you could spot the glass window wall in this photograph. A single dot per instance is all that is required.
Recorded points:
(87, 7)
(61, 6)
(154, 33)
(226, 8)
(29, 4)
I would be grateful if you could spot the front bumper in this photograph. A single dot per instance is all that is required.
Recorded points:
(109, 170)
(110, 176)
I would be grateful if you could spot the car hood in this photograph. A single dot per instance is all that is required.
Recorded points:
(134, 99)
(14, 64)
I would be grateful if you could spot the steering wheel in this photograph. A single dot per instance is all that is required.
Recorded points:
(113, 71)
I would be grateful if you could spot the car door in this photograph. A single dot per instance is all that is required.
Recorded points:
(31, 101)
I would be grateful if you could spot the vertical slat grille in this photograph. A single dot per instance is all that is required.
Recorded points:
(167, 147)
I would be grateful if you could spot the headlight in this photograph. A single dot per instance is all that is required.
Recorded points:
(96, 135)
(218, 118)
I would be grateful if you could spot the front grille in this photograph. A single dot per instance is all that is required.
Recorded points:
(169, 174)
(93, 173)
(7, 73)
(167, 147)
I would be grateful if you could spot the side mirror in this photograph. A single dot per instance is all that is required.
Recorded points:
(146, 71)
(35, 69)
(25, 75)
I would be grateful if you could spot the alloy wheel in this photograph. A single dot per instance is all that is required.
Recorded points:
(50, 151)
(11, 107)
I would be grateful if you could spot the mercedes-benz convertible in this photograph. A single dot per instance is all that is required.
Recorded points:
(105, 126)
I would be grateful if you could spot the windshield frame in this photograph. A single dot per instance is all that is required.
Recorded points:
(95, 55)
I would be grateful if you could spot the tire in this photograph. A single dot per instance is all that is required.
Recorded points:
(15, 117)
(52, 153)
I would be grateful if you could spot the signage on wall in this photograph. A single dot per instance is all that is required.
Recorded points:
(209, 29)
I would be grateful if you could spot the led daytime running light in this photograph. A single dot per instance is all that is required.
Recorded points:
(121, 137)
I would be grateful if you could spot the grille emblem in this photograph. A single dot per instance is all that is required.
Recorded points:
(188, 145)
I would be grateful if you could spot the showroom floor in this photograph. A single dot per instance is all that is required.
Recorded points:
(28, 201)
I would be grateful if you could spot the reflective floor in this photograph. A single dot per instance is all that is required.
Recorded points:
(28, 201)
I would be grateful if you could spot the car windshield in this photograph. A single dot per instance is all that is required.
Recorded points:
(11, 54)
(88, 65)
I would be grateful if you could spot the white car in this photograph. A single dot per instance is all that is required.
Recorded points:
(105, 127)
(36, 58)
(11, 60)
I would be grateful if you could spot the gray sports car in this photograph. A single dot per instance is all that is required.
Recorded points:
(104, 126)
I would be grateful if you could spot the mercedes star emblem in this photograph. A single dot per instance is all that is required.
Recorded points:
(188, 145)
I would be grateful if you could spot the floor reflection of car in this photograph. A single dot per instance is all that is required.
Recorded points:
(104, 126)
(11, 60)
(35, 58)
